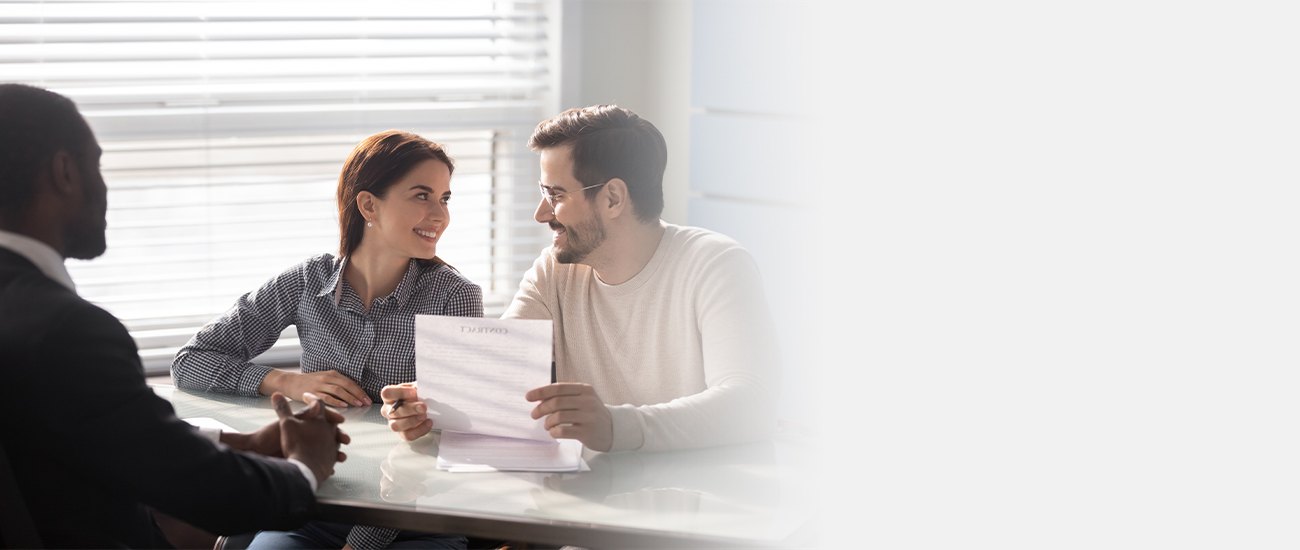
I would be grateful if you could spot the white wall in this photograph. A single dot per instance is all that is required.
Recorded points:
(636, 54)
(750, 167)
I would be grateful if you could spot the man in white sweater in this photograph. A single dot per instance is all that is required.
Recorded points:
(663, 338)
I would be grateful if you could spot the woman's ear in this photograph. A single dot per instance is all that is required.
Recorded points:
(366, 205)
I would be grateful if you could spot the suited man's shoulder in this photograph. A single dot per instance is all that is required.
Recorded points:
(30, 293)
(38, 314)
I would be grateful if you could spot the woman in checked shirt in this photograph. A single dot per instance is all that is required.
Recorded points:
(354, 313)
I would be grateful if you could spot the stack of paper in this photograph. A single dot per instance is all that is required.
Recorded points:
(464, 452)
(473, 374)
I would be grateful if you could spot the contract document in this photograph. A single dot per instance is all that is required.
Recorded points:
(472, 374)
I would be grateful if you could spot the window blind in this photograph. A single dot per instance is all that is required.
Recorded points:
(225, 125)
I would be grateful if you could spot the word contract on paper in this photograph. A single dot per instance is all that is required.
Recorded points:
(472, 374)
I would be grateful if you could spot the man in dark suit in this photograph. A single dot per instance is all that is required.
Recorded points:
(90, 445)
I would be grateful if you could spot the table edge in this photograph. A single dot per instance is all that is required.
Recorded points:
(527, 529)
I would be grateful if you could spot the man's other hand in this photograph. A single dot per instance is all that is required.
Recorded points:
(574, 411)
(311, 436)
(266, 441)
(411, 419)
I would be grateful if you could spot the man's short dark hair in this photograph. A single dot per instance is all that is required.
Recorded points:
(34, 125)
(609, 142)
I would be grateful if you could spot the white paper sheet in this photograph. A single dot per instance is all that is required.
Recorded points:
(473, 373)
(465, 452)
(210, 423)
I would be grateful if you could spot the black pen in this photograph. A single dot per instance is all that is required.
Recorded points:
(396, 405)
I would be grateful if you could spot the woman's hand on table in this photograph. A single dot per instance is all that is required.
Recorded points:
(411, 419)
(333, 387)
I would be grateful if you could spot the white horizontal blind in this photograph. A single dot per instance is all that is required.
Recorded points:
(225, 125)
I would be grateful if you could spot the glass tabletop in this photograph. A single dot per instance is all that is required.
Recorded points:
(758, 494)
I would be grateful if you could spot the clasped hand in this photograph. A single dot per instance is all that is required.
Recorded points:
(312, 436)
(267, 440)
(572, 411)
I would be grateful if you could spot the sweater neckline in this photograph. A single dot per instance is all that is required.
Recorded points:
(647, 273)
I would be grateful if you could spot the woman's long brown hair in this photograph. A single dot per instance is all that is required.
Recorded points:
(377, 163)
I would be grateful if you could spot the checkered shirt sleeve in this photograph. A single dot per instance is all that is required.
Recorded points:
(217, 358)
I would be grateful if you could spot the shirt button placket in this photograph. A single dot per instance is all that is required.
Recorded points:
(362, 356)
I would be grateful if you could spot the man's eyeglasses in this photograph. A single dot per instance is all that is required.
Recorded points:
(551, 195)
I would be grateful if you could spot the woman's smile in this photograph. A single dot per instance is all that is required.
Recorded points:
(430, 235)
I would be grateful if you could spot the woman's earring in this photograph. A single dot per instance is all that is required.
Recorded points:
(368, 224)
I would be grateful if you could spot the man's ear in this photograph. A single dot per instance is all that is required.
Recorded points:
(366, 204)
(65, 175)
(616, 198)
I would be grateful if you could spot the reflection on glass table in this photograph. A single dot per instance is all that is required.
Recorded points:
(754, 495)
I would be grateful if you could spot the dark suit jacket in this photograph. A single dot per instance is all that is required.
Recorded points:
(91, 445)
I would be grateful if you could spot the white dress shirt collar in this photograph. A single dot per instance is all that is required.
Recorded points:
(48, 260)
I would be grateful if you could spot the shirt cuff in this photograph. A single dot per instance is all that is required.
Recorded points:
(215, 435)
(306, 472)
(251, 379)
(629, 430)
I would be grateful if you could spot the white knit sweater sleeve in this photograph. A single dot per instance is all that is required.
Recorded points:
(742, 364)
(530, 302)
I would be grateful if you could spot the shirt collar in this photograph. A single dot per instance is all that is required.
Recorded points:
(335, 282)
(403, 291)
(48, 260)
(409, 282)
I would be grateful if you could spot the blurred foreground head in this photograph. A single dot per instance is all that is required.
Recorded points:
(50, 185)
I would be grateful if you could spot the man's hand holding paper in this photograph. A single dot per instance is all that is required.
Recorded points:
(574, 411)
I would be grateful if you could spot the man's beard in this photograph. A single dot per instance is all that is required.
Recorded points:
(85, 239)
(580, 240)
